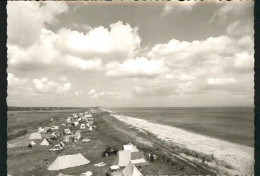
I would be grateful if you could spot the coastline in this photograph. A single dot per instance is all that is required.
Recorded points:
(240, 157)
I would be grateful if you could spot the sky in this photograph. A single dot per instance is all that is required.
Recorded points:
(172, 54)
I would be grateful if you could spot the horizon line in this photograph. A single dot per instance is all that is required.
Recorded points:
(128, 106)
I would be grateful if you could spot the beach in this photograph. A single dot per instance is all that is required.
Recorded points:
(240, 157)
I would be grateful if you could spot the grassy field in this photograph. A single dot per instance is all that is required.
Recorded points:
(109, 132)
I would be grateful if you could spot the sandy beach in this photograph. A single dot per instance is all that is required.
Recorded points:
(240, 157)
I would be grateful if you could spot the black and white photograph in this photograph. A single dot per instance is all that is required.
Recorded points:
(130, 88)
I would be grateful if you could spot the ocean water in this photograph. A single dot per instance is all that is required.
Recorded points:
(234, 124)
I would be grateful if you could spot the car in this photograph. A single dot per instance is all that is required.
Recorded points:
(85, 140)
(67, 131)
(54, 128)
(114, 170)
(57, 147)
(88, 173)
(110, 151)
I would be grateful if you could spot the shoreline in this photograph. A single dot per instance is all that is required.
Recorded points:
(240, 157)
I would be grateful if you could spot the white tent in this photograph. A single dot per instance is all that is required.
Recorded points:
(40, 130)
(61, 174)
(32, 143)
(67, 161)
(82, 126)
(131, 170)
(77, 135)
(130, 147)
(35, 136)
(123, 158)
(139, 162)
(45, 142)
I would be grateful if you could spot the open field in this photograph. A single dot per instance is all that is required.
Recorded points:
(109, 132)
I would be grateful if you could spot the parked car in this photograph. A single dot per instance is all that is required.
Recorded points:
(88, 173)
(57, 147)
(110, 151)
(67, 131)
(114, 170)
(85, 140)
(54, 128)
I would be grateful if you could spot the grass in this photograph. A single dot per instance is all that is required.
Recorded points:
(25, 161)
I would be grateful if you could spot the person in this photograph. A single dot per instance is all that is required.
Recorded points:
(152, 157)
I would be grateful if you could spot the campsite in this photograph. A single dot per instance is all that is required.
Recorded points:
(81, 152)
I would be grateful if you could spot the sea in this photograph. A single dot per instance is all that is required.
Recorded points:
(233, 124)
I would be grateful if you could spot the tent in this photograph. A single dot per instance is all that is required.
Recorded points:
(138, 159)
(61, 174)
(140, 162)
(123, 158)
(31, 144)
(35, 136)
(131, 170)
(67, 161)
(66, 139)
(45, 142)
(62, 144)
(47, 128)
(41, 130)
(82, 126)
(77, 135)
(130, 147)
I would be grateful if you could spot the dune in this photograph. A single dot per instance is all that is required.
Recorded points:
(240, 157)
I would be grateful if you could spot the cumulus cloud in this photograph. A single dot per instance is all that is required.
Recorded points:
(121, 39)
(14, 82)
(76, 50)
(95, 64)
(26, 19)
(200, 66)
(38, 55)
(215, 51)
(26, 86)
(136, 67)
(220, 81)
(46, 86)
(220, 64)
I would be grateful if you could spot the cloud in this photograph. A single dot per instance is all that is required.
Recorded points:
(95, 64)
(240, 28)
(46, 86)
(107, 94)
(139, 67)
(14, 82)
(68, 50)
(195, 67)
(220, 81)
(215, 51)
(232, 10)
(26, 86)
(38, 55)
(121, 41)
(28, 18)
(168, 8)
